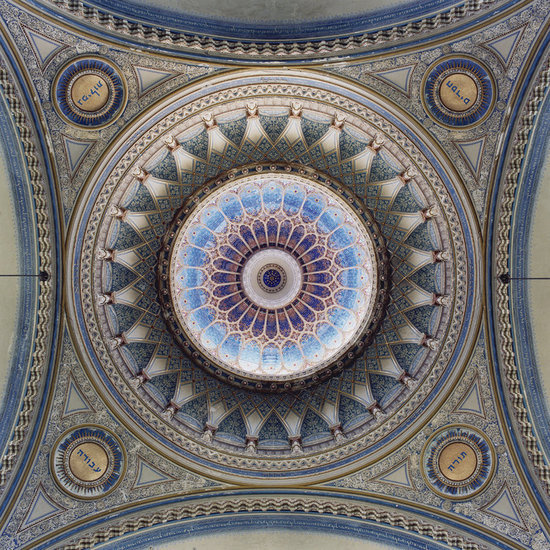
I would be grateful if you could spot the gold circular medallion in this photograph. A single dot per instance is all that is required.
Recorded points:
(88, 461)
(90, 92)
(457, 461)
(458, 92)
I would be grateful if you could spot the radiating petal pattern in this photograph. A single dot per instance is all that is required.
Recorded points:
(322, 236)
(329, 259)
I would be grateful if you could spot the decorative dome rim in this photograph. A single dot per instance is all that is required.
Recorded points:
(372, 111)
(352, 351)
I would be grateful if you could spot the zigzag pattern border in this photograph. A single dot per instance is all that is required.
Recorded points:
(274, 504)
(510, 184)
(40, 354)
(239, 47)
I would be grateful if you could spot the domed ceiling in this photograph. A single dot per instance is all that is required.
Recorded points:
(348, 341)
(295, 300)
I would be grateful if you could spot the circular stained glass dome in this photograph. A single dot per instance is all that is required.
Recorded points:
(273, 278)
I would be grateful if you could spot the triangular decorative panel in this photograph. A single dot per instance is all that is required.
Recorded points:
(44, 48)
(399, 78)
(504, 46)
(504, 507)
(471, 401)
(76, 150)
(149, 78)
(471, 152)
(42, 507)
(398, 475)
(147, 474)
(75, 401)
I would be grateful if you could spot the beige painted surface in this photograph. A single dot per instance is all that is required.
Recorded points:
(269, 11)
(271, 539)
(9, 286)
(539, 266)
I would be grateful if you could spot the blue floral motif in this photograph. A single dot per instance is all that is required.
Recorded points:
(327, 242)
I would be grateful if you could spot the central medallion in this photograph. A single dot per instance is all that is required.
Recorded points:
(272, 279)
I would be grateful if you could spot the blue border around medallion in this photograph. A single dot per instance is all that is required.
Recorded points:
(113, 79)
(434, 78)
(477, 481)
(94, 434)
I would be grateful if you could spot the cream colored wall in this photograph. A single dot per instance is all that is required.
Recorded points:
(9, 264)
(271, 539)
(539, 266)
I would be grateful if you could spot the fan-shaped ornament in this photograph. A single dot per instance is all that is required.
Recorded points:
(272, 279)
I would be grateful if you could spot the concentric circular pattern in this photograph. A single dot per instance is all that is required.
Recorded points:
(458, 462)
(88, 462)
(265, 276)
(132, 338)
(89, 92)
(273, 277)
(458, 92)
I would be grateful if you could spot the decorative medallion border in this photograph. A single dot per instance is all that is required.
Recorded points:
(474, 444)
(103, 74)
(70, 448)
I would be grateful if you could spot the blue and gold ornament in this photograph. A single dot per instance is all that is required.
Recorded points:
(88, 462)
(458, 462)
(458, 92)
(89, 92)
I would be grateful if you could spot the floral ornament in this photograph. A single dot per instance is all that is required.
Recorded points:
(272, 277)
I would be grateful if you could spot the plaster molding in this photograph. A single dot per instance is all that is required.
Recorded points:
(210, 45)
(279, 504)
(46, 298)
(507, 198)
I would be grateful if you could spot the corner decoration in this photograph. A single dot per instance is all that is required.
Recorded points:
(275, 277)
(458, 462)
(190, 284)
(89, 92)
(88, 462)
(458, 92)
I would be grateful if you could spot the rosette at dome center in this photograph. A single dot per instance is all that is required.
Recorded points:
(255, 224)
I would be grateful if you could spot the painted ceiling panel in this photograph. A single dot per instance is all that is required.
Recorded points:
(20, 270)
(205, 225)
(530, 296)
